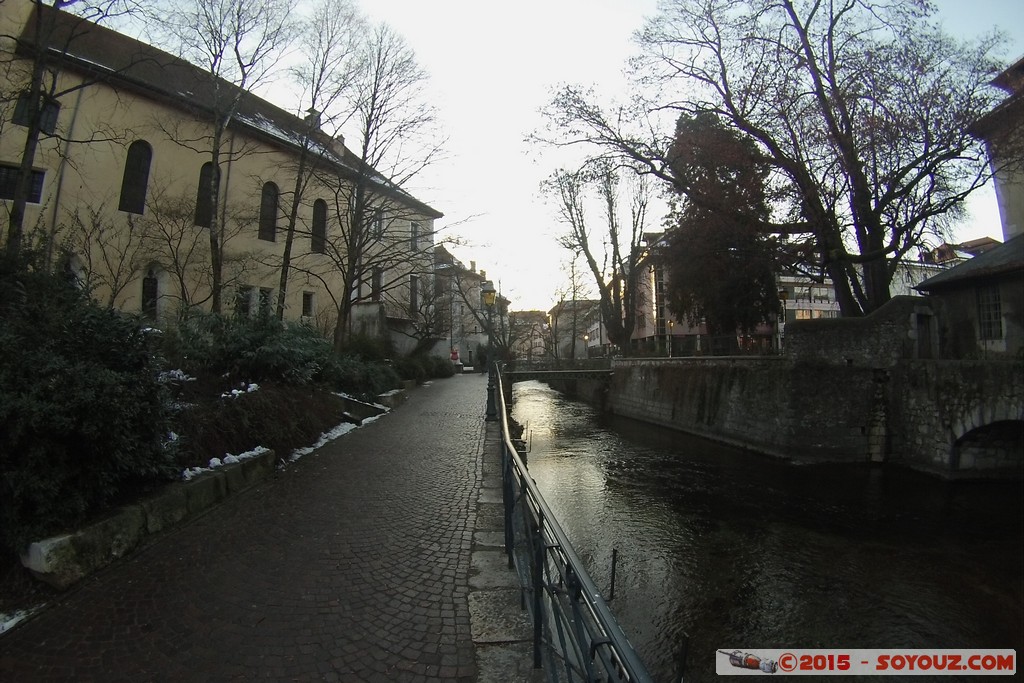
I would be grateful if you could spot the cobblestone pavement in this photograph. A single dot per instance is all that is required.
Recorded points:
(352, 564)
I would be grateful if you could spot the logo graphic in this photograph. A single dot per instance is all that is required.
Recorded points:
(745, 660)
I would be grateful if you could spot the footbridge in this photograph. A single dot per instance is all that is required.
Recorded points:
(598, 368)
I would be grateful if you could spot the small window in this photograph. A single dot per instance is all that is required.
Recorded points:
(318, 238)
(136, 177)
(990, 313)
(243, 301)
(414, 294)
(204, 195)
(266, 301)
(47, 117)
(414, 235)
(378, 225)
(9, 181)
(307, 304)
(268, 212)
(150, 294)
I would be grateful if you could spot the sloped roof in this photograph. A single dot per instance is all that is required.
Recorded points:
(1007, 258)
(115, 58)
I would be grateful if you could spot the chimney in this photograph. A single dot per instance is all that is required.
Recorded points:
(338, 144)
(472, 266)
(313, 117)
(483, 274)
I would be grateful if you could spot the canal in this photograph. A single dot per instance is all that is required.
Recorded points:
(719, 548)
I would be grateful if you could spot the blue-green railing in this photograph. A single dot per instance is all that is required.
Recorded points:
(575, 635)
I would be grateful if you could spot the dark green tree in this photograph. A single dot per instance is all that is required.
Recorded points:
(719, 260)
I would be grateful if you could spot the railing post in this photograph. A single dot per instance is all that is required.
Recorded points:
(538, 590)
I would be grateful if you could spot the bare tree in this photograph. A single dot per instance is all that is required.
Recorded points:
(378, 234)
(237, 43)
(108, 253)
(861, 107)
(614, 261)
(326, 71)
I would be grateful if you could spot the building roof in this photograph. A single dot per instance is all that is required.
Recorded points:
(1007, 258)
(117, 59)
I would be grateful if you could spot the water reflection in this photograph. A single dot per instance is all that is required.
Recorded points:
(724, 549)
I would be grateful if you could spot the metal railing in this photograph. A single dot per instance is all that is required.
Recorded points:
(575, 635)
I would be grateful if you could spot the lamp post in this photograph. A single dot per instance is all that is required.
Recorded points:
(671, 336)
(488, 292)
(586, 346)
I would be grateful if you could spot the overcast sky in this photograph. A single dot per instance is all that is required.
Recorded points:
(494, 64)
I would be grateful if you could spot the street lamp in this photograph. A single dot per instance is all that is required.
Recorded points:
(671, 337)
(586, 345)
(488, 292)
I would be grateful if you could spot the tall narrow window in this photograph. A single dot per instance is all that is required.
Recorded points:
(266, 301)
(318, 238)
(307, 304)
(243, 301)
(378, 284)
(204, 195)
(990, 313)
(414, 294)
(268, 212)
(150, 294)
(136, 177)
(414, 235)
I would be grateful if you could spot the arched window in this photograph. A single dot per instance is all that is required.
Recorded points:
(268, 212)
(150, 294)
(204, 196)
(136, 177)
(318, 239)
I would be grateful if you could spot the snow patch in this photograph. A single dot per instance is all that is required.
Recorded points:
(220, 462)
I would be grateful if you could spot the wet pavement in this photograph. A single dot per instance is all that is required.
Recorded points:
(351, 564)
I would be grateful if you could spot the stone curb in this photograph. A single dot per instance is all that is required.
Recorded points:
(68, 558)
(65, 559)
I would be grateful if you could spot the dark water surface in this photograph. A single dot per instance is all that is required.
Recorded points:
(724, 549)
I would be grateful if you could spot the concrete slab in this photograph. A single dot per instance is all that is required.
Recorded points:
(489, 569)
(495, 616)
(507, 663)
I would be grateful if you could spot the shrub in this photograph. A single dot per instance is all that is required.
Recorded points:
(358, 377)
(255, 349)
(82, 415)
(277, 417)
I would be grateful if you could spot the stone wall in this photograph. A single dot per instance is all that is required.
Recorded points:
(802, 411)
(878, 340)
(933, 405)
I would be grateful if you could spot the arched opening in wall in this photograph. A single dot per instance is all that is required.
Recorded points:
(150, 300)
(997, 448)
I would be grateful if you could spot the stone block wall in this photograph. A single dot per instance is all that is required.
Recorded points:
(801, 411)
(878, 340)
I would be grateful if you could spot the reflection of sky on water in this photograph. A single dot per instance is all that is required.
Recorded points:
(719, 548)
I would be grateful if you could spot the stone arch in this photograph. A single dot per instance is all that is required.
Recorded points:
(990, 436)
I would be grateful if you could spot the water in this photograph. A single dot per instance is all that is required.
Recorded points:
(724, 549)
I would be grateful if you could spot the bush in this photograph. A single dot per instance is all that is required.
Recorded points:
(359, 378)
(281, 418)
(82, 414)
(256, 349)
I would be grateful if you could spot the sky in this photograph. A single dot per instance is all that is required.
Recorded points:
(493, 65)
